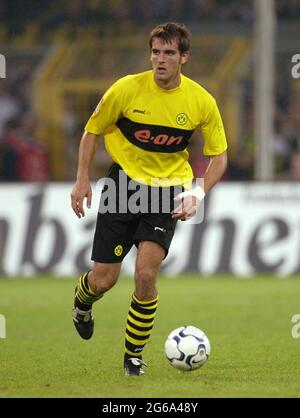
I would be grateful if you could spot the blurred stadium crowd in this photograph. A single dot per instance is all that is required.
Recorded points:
(53, 13)
(24, 155)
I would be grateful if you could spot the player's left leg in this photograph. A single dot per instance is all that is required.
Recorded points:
(143, 306)
(90, 288)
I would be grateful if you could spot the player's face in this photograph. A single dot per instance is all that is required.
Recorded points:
(166, 61)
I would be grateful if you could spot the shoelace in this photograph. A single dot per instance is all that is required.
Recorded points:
(86, 315)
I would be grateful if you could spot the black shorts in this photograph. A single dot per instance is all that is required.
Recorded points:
(118, 230)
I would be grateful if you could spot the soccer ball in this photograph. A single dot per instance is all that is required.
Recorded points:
(187, 348)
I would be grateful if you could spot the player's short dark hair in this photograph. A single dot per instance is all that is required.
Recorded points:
(167, 32)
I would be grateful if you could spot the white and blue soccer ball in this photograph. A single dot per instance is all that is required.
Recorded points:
(187, 348)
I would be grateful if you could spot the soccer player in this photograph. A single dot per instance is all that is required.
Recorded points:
(147, 120)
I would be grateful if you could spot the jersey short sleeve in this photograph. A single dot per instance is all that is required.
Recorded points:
(213, 133)
(107, 112)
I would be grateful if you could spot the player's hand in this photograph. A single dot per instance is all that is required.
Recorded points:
(81, 190)
(190, 201)
(186, 209)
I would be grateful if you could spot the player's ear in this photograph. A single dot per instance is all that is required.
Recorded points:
(184, 57)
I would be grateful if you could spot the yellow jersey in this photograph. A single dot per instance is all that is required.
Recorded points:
(147, 128)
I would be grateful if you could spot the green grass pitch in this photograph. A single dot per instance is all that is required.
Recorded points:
(248, 323)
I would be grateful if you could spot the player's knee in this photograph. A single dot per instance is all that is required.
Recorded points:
(102, 281)
(145, 275)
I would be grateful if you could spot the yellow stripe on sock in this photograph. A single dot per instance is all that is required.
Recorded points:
(82, 285)
(144, 302)
(135, 331)
(148, 307)
(136, 342)
(140, 324)
(139, 315)
(84, 297)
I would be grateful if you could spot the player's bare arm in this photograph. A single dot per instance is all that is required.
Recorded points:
(215, 170)
(192, 198)
(82, 188)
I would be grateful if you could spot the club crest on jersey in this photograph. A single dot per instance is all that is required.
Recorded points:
(181, 119)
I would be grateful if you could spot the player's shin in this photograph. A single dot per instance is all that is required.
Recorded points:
(84, 296)
(139, 325)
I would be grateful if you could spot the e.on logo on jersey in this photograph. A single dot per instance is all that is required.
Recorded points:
(145, 136)
(2, 326)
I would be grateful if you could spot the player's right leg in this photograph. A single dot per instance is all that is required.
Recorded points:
(113, 239)
(90, 288)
